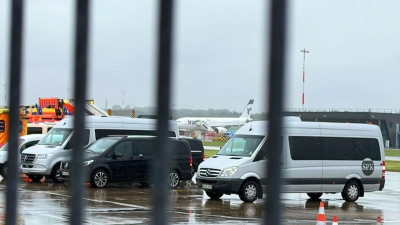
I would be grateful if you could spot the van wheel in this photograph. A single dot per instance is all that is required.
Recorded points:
(351, 191)
(174, 179)
(214, 195)
(99, 179)
(314, 196)
(56, 174)
(249, 191)
(4, 171)
(35, 178)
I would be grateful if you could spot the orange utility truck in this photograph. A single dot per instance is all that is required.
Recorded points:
(4, 125)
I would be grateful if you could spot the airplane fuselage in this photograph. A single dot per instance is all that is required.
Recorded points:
(200, 123)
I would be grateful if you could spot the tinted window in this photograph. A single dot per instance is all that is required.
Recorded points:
(144, 147)
(195, 145)
(180, 149)
(305, 148)
(35, 130)
(334, 148)
(100, 133)
(366, 148)
(125, 148)
(86, 133)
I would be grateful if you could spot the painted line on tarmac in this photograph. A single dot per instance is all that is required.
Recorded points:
(94, 200)
(219, 216)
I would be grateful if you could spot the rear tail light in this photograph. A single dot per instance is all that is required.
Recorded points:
(383, 169)
(204, 156)
(191, 161)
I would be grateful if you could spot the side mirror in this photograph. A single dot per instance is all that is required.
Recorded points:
(117, 154)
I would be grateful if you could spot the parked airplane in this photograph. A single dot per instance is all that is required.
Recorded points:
(218, 124)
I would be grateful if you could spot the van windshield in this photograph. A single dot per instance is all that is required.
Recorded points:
(100, 145)
(56, 136)
(241, 145)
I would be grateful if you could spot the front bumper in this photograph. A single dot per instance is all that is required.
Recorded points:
(220, 185)
(35, 170)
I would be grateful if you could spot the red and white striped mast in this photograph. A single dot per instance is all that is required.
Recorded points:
(304, 76)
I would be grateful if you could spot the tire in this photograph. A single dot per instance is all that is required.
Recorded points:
(174, 179)
(249, 191)
(314, 196)
(35, 178)
(351, 191)
(99, 179)
(214, 195)
(4, 171)
(56, 174)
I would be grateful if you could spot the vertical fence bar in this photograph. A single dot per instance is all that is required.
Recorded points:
(14, 113)
(277, 23)
(161, 164)
(80, 80)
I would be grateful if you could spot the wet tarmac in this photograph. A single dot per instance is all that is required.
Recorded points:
(47, 203)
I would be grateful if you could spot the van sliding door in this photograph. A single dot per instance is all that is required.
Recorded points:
(304, 165)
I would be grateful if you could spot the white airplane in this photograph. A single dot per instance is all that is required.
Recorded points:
(218, 124)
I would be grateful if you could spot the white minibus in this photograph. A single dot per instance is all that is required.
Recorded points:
(316, 158)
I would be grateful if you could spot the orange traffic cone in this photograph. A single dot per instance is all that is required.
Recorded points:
(335, 222)
(321, 219)
(378, 220)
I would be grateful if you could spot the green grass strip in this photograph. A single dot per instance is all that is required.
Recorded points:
(392, 152)
(214, 143)
(393, 166)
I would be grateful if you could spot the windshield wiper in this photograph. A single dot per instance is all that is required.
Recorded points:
(91, 151)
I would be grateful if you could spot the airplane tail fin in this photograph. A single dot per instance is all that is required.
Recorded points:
(246, 113)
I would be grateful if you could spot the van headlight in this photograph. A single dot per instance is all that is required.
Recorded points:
(229, 171)
(87, 163)
(44, 156)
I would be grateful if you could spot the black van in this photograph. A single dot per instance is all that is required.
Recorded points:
(197, 149)
(114, 159)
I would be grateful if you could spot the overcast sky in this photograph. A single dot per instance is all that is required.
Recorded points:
(219, 53)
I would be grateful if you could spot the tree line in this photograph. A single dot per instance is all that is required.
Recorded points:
(179, 113)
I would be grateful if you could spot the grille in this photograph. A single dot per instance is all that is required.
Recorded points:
(207, 172)
(27, 158)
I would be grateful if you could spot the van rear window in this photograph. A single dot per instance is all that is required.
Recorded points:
(333, 148)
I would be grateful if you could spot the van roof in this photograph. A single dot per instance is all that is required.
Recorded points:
(260, 127)
(68, 121)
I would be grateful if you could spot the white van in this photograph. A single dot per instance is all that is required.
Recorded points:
(24, 142)
(44, 159)
(40, 128)
(317, 158)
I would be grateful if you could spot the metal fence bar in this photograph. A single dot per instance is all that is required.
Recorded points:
(14, 113)
(161, 164)
(277, 31)
(80, 80)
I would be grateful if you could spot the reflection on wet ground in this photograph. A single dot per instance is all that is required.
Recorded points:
(48, 203)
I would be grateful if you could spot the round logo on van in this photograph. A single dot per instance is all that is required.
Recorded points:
(367, 167)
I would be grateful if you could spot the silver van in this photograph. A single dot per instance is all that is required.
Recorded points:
(317, 158)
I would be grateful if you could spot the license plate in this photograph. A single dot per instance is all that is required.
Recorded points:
(65, 173)
(206, 186)
(23, 171)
